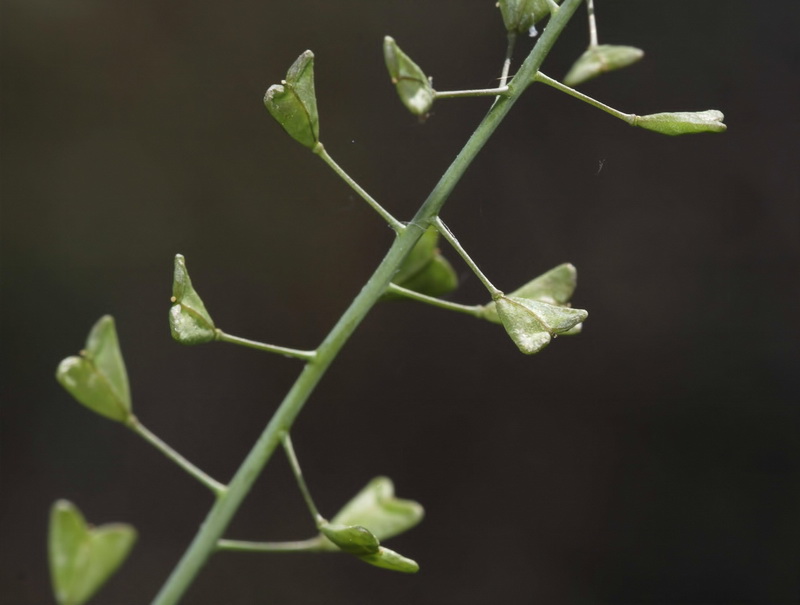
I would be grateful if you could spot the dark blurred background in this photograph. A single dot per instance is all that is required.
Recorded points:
(653, 459)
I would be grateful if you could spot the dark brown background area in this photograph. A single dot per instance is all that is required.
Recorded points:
(653, 459)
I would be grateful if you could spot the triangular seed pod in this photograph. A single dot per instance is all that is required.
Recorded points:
(97, 377)
(82, 557)
(520, 16)
(293, 102)
(377, 508)
(189, 321)
(532, 324)
(600, 59)
(412, 85)
(555, 287)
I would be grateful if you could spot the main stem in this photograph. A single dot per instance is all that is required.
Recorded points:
(226, 505)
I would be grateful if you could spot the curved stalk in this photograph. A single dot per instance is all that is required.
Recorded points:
(260, 346)
(625, 117)
(474, 310)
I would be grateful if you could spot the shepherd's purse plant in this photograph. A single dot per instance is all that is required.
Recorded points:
(83, 557)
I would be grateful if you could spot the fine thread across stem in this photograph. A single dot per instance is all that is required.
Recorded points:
(448, 235)
(221, 513)
(260, 346)
(212, 484)
(393, 222)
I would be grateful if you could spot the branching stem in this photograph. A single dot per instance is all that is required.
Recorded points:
(393, 222)
(260, 346)
(592, 24)
(474, 310)
(512, 41)
(226, 505)
(212, 484)
(479, 92)
(310, 545)
(301, 482)
(448, 235)
(626, 117)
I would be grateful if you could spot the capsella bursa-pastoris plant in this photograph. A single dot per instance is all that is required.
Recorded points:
(82, 557)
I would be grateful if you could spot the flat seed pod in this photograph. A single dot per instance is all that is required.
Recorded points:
(293, 102)
(532, 324)
(389, 559)
(412, 85)
(189, 321)
(437, 278)
(600, 59)
(82, 558)
(519, 16)
(555, 287)
(425, 270)
(352, 539)
(377, 508)
(683, 122)
(97, 377)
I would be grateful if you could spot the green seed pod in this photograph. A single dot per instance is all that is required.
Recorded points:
(520, 16)
(81, 557)
(554, 287)
(389, 559)
(532, 324)
(98, 378)
(376, 507)
(352, 539)
(425, 270)
(293, 102)
(189, 321)
(598, 60)
(413, 86)
(682, 122)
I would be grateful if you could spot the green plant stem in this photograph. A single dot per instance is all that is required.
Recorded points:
(474, 310)
(221, 513)
(260, 346)
(393, 222)
(512, 41)
(448, 235)
(592, 24)
(478, 92)
(310, 545)
(626, 117)
(319, 520)
(212, 484)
